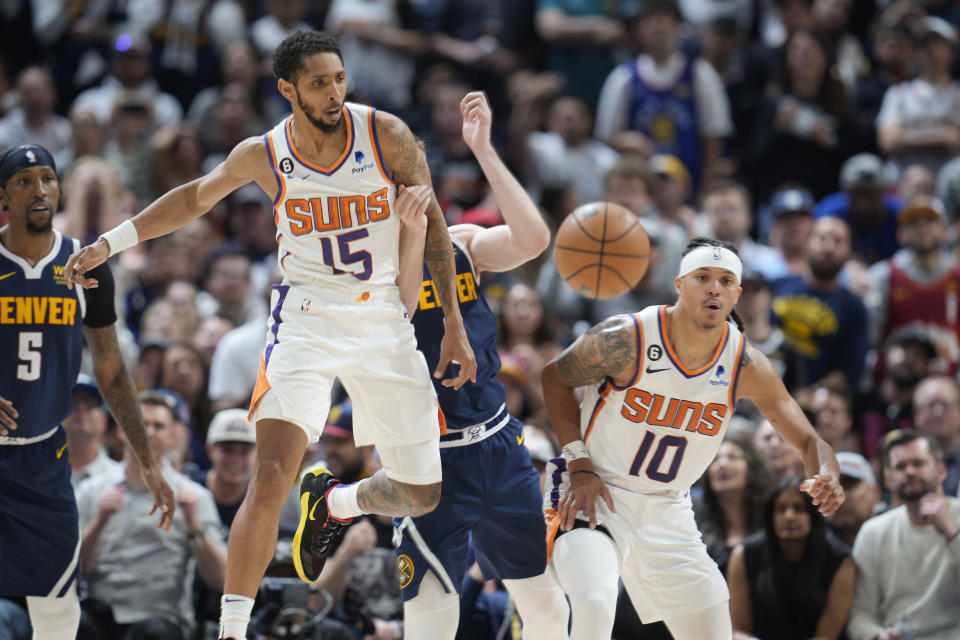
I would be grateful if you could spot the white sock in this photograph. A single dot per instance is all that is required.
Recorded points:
(342, 501)
(234, 615)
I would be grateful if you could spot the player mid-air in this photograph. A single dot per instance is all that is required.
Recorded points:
(661, 387)
(333, 170)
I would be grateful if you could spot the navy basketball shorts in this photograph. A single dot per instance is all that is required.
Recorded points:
(491, 493)
(39, 526)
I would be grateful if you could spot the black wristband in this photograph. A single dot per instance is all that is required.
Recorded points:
(593, 473)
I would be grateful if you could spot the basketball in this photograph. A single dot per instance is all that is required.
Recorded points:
(602, 250)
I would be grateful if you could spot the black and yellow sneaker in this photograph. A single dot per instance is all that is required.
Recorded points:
(318, 530)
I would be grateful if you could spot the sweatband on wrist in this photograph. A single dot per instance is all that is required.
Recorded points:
(711, 257)
(123, 236)
(574, 451)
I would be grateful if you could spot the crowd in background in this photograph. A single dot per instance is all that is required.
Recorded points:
(821, 137)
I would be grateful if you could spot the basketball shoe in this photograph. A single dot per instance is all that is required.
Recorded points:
(318, 531)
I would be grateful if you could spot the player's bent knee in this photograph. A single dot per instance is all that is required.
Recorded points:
(424, 498)
(55, 618)
(596, 604)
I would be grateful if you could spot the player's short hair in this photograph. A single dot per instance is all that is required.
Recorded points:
(290, 54)
(701, 241)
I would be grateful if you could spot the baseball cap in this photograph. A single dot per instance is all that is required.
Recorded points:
(934, 26)
(231, 425)
(89, 385)
(862, 170)
(754, 277)
(664, 164)
(913, 334)
(926, 206)
(792, 200)
(340, 421)
(856, 466)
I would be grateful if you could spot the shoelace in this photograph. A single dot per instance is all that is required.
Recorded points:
(319, 542)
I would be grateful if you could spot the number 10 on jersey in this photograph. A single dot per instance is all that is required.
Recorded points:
(668, 446)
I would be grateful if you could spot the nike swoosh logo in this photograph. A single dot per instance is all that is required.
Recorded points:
(314, 508)
(520, 438)
(7, 275)
(649, 370)
(60, 451)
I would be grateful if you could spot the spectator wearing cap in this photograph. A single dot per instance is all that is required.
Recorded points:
(791, 210)
(671, 193)
(864, 204)
(908, 558)
(920, 284)
(665, 100)
(919, 120)
(863, 496)
(85, 428)
(341, 455)
(908, 356)
(231, 448)
(130, 69)
(936, 414)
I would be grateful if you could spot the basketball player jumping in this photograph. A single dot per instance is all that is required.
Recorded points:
(42, 330)
(333, 170)
(661, 386)
(491, 491)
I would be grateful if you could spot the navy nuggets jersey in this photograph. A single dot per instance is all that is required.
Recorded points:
(41, 330)
(475, 401)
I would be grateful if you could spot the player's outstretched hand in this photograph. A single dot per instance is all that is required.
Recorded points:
(90, 256)
(454, 347)
(8, 416)
(162, 496)
(826, 492)
(477, 119)
(585, 487)
(411, 205)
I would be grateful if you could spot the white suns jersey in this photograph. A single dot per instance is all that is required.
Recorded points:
(662, 431)
(335, 225)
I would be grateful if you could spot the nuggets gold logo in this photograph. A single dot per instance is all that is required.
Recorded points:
(405, 570)
(662, 129)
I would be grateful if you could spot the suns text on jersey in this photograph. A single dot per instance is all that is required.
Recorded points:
(654, 409)
(37, 310)
(335, 213)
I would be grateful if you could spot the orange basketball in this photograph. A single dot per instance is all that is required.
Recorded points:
(602, 250)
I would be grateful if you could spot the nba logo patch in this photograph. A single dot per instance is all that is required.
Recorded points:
(716, 253)
(32, 157)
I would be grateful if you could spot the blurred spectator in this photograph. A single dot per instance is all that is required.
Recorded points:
(33, 120)
(907, 557)
(183, 296)
(525, 331)
(233, 370)
(85, 428)
(864, 205)
(516, 383)
(146, 372)
(485, 607)
(919, 120)
(130, 72)
(892, 58)
(936, 410)
(226, 288)
(781, 458)
(908, 356)
(379, 42)
(862, 493)
(283, 18)
(176, 156)
(579, 39)
(94, 200)
(792, 213)
(731, 505)
(726, 210)
(918, 286)
(833, 418)
(566, 153)
(184, 373)
(87, 138)
(793, 581)
(755, 309)
(128, 146)
(664, 100)
(805, 123)
(831, 21)
(821, 319)
(209, 333)
(137, 575)
(916, 180)
(672, 191)
(234, 119)
(231, 447)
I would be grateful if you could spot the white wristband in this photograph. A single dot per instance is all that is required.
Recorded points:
(574, 451)
(123, 236)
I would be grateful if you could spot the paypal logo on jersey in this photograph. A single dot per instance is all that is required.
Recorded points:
(716, 381)
(358, 157)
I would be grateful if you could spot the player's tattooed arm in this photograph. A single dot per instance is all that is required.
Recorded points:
(609, 349)
(118, 390)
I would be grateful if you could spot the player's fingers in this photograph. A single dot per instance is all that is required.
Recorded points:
(564, 509)
(590, 506)
(459, 380)
(608, 498)
(68, 269)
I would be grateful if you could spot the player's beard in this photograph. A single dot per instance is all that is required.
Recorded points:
(40, 229)
(312, 119)
(916, 491)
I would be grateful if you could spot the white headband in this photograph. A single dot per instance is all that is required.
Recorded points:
(717, 257)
